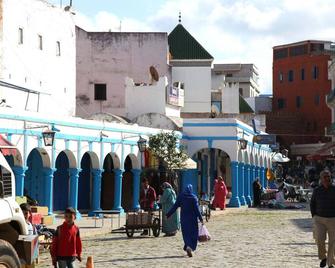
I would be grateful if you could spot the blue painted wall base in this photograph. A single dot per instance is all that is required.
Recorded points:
(234, 201)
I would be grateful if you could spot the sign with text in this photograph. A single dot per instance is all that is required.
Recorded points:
(265, 139)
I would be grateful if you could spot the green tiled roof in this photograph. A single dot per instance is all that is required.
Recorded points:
(183, 46)
(245, 107)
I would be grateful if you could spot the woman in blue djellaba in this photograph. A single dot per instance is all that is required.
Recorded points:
(171, 225)
(189, 215)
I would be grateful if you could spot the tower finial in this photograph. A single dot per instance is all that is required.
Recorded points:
(179, 20)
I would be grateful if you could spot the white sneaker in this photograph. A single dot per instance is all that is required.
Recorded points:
(189, 252)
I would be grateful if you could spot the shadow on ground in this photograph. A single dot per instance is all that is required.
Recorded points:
(141, 259)
(303, 224)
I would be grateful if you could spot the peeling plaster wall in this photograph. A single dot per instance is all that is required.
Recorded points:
(110, 57)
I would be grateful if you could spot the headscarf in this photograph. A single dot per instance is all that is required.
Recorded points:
(189, 189)
(166, 185)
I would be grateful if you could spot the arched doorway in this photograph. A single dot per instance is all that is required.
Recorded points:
(35, 185)
(89, 162)
(212, 162)
(111, 162)
(61, 189)
(131, 162)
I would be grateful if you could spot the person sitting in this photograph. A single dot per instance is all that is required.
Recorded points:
(26, 210)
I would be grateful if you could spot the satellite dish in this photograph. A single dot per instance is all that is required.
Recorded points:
(154, 73)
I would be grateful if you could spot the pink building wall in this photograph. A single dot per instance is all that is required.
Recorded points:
(110, 57)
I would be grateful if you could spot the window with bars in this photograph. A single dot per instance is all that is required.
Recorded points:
(100, 93)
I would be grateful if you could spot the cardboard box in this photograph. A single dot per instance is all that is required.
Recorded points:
(21, 199)
(36, 218)
(42, 210)
(27, 248)
(48, 220)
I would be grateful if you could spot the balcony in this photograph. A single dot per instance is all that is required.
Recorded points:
(330, 98)
(330, 130)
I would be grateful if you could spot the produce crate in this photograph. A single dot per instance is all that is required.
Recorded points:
(139, 218)
(42, 210)
(21, 199)
(48, 220)
(36, 218)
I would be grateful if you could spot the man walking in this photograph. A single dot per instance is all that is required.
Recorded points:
(323, 213)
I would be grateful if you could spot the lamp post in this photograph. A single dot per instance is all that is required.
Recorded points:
(48, 137)
(243, 143)
(142, 147)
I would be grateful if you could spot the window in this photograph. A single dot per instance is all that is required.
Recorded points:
(302, 74)
(57, 48)
(290, 76)
(229, 75)
(281, 103)
(20, 36)
(100, 92)
(281, 77)
(280, 53)
(317, 100)
(298, 50)
(240, 90)
(298, 101)
(315, 72)
(40, 42)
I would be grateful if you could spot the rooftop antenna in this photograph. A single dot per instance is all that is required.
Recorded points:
(70, 3)
(120, 25)
(179, 19)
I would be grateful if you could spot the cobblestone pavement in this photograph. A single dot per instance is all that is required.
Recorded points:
(254, 238)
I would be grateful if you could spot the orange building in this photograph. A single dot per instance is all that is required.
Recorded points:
(300, 84)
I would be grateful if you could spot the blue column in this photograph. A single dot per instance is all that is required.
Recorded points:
(241, 184)
(136, 189)
(117, 189)
(262, 176)
(189, 176)
(48, 174)
(234, 201)
(96, 192)
(19, 173)
(73, 202)
(252, 179)
(247, 184)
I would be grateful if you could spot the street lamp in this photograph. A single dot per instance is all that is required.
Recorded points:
(142, 144)
(243, 143)
(48, 137)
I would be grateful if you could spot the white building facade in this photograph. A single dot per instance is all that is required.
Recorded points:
(37, 64)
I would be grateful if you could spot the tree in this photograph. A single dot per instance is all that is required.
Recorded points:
(164, 146)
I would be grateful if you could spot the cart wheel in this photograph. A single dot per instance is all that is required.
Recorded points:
(130, 232)
(156, 227)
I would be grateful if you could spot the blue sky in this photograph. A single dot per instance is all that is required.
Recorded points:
(233, 31)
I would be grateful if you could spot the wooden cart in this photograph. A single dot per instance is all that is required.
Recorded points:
(150, 220)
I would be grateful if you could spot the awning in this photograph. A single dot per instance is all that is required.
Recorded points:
(325, 150)
(280, 158)
(190, 164)
(6, 147)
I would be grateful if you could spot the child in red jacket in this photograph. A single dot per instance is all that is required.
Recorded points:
(66, 244)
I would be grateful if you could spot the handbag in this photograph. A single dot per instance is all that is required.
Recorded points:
(204, 235)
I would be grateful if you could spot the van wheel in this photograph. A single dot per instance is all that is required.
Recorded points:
(8, 255)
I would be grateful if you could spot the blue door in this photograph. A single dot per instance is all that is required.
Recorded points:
(84, 184)
(34, 185)
(61, 183)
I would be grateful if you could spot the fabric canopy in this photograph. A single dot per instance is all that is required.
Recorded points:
(6, 147)
(190, 164)
(325, 150)
(280, 158)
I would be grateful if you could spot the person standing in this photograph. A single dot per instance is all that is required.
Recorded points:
(220, 194)
(189, 215)
(66, 244)
(171, 225)
(147, 199)
(323, 213)
(257, 188)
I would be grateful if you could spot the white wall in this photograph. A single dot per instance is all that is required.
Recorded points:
(197, 85)
(230, 99)
(144, 99)
(27, 66)
(110, 57)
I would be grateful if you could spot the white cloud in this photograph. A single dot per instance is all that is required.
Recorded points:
(234, 30)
